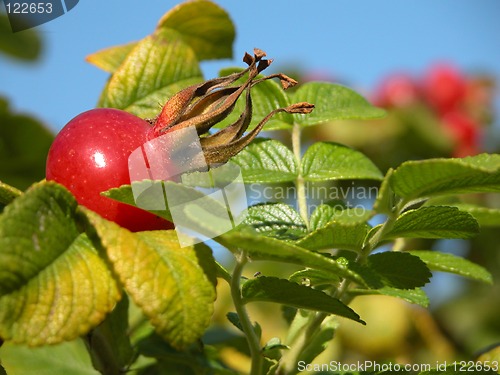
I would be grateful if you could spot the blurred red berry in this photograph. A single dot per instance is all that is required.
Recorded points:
(398, 90)
(444, 88)
(465, 131)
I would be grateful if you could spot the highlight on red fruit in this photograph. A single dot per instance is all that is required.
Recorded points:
(90, 156)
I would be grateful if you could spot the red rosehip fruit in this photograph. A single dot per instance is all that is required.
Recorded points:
(444, 88)
(90, 155)
(464, 131)
(398, 90)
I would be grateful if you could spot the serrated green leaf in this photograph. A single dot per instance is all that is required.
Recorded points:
(434, 222)
(266, 248)
(174, 286)
(266, 97)
(416, 296)
(266, 161)
(325, 161)
(204, 26)
(346, 230)
(333, 102)
(110, 59)
(66, 358)
(486, 217)
(8, 193)
(324, 214)
(438, 261)
(273, 289)
(399, 270)
(474, 174)
(276, 220)
(157, 67)
(72, 296)
(54, 286)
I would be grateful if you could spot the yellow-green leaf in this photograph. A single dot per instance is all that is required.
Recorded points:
(204, 26)
(54, 286)
(63, 301)
(109, 59)
(157, 67)
(173, 286)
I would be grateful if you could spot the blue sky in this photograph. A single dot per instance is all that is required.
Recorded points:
(357, 41)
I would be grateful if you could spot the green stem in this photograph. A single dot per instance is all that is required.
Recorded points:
(246, 324)
(299, 182)
(289, 364)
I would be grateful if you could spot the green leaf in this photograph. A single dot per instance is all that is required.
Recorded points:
(385, 200)
(346, 230)
(474, 174)
(486, 217)
(2, 370)
(158, 66)
(125, 195)
(333, 102)
(314, 277)
(204, 26)
(35, 230)
(266, 161)
(173, 286)
(324, 214)
(266, 248)
(266, 97)
(319, 341)
(434, 222)
(276, 220)
(110, 59)
(169, 360)
(109, 344)
(438, 261)
(8, 193)
(399, 270)
(331, 161)
(22, 157)
(273, 289)
(77, 288)
(416, 296)
(54, 286)
(26, 45)
(61, 359)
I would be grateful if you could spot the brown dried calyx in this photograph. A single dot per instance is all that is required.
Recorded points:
(205, 104)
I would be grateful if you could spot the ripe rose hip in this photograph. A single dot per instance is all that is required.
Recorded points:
(444, 88)
(90, 155)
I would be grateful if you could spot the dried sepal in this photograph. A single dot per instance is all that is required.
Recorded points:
(203, 105)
